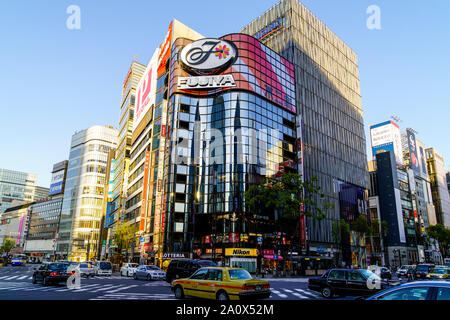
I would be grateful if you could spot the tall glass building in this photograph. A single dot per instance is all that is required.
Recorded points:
(329, 105)
(16, 185)
(84, 189)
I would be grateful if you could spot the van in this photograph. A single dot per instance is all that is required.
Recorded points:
(103, 268)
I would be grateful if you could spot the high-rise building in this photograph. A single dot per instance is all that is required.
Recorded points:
(45, 214)
(16, 185)
(447, 175)
(386, 136)
(14, 223)
(84, 189)
(329, 104)
(441, 199)
(40, 192)
(120, 169)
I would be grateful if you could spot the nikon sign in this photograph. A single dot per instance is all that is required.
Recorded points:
(206, 82)
(241, 252)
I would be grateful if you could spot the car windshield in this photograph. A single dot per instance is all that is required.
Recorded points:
(207, 263)
(58, 266)
(404, 267)
(239, 274)
(370, 274)
(440, 270)
(83, 265)
(152, 268)
(105, 265)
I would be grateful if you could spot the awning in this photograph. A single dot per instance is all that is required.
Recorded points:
(270, 257)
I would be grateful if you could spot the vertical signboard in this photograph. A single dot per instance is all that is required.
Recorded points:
(413, 152)
(144, 191)
(56, 184)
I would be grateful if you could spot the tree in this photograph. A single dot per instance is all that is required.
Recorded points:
(283, 198)
(362, 229)
(8, 244)
(123, 236)
(442, 235)
(338, 230)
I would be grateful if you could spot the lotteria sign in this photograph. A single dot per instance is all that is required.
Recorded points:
(208, 56)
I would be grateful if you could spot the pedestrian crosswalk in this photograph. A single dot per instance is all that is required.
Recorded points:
(135, 296)
(29, 277)
(303, 294)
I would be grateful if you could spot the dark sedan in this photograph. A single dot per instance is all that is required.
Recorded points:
(347, 282)
(422, 270)
(417, 290)
(51, 273)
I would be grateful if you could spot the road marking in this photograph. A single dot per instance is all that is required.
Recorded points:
(106, 288)
(85, 288)
(287, 290)
(21, 278)
(3, 277)
(314, 295)
(282, 295)
(123, 288)
(10, 278)
(300, 295)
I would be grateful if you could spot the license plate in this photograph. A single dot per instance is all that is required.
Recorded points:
(258, 288)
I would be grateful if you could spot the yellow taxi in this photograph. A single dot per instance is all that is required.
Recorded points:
(221, 283)
(439, 272)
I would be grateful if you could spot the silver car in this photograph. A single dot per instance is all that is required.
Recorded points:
(128, 269)
(85, 269)
(149, 273)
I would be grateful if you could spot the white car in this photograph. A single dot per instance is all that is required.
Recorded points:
(103, 268)
(128, 269)
(149, 273)
(85, 269)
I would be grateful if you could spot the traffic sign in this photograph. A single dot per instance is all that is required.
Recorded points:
(142, 239)
(260, 239)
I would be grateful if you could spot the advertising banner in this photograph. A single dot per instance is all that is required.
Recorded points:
(413, 152)
(383, 148)
(250, 66)
(144, 191)
(146, 89)
(56, 184)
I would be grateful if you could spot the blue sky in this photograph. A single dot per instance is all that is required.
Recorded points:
(55, 81)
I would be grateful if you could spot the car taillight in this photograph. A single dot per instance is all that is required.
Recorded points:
(248, 287)
(54, 273)
(266, 286)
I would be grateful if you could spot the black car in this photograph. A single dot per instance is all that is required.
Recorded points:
(49, 273)
(184, 268)
(347, 282)
(422, 270)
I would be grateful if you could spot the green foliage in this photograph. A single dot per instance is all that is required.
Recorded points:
(360, 225)
(8, 244)
(441, 234)
(123, 235)
(339, 227)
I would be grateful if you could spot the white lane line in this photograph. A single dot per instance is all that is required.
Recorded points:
(106, 288)
(300, 296)
(282, 295)
(123, 288)
(85, 288)
(29, 278)
(21, 278)
(10, 278)
(307, 293)
(3, 277)
(287, 290)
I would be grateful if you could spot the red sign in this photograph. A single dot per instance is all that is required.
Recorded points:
(144, 191)
(269, 252)
(207, 239)
(148, 247)
(234, 237)
(302, 229)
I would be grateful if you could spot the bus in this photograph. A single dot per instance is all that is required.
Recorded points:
(19, 260)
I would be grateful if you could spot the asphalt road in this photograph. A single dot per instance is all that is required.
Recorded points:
(15, 284)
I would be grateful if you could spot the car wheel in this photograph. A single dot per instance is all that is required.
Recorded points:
(128, 274)
(149, 277)
(222, 295)
(179, 294)
(33, 281)
(45, 282)
(135, 276)
(327, 293)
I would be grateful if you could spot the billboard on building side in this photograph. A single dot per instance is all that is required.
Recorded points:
(56, 185)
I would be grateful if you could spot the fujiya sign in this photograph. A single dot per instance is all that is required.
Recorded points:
(208, 56)
(206, 82)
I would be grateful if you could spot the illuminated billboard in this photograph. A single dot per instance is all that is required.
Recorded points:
(146, 89)
(256, 68)
(56, 185)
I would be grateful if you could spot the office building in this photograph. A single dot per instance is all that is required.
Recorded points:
(82, 212)
(40, 192)
(42, 235)
(14, 223)
(439, 190)
(328, 102)
(15, 185)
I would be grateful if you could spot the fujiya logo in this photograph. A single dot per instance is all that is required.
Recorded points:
(208, 56)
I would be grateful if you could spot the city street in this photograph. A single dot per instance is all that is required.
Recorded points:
(15, 284)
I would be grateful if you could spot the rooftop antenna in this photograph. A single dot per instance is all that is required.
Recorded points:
(396, 119)
(412, 130)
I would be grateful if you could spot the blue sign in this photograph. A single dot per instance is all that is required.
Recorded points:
(275, 257)
(383, 148)
(320, 249)
(56, 188)
(142, 239)
(260, 239)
